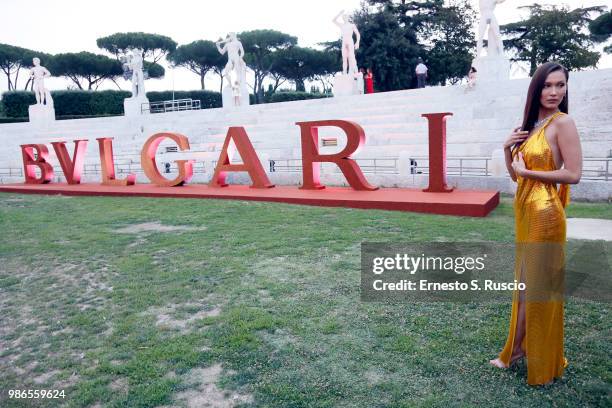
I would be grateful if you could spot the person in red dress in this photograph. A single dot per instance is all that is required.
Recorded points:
(369, 78)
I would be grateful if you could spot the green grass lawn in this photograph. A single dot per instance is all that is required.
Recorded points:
(255, 304)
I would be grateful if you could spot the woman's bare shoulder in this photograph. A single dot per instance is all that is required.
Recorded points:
(564, 127)
(564, 123)
(565, 120)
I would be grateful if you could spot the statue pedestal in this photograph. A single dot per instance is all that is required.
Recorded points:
(133, 106)
(40, 113)
(345, 84)
(228, 97)
(492, 68)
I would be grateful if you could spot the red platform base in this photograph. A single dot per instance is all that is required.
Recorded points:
(462, 203)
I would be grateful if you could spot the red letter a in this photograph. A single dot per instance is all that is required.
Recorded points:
(29, 162)
(355, 138)
(72, 167)
(250, 160)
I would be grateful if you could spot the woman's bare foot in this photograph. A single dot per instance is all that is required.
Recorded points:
(497, 363)
(515, 357)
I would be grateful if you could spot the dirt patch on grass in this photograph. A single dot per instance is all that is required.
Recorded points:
(182, 316)
(14, 202)
(19, 327)
(152, 227)
(45, 377)
(207, 394)
(90, 286)
(276, 268)
(374, 376)
(41, 311)
(67, 383)
(279, 339)
(119, 385)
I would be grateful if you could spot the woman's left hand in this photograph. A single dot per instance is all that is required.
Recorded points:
(518, 165)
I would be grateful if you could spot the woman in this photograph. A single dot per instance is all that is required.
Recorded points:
(369, 78)
(543, 152)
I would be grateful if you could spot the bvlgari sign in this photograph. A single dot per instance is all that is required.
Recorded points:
(438, 197)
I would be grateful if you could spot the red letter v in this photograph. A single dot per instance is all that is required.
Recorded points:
(72, 168)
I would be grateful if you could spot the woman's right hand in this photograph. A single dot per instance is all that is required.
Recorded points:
(517, 136)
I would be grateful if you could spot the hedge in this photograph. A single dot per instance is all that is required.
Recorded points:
(73, 104)
(208, 99)
(296, 96)
(67, 117)
(96, 103)
(15, 104)
(68, 103)
(13, 120)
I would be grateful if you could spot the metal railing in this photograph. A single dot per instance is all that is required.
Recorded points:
(456, 166)
(372, 166)
(379, 166)
(597, 169)
(285, 166)
(171, 106)
(11, 172)
(134, 167)
(593, 168)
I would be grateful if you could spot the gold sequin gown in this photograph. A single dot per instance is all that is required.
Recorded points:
(539, 209)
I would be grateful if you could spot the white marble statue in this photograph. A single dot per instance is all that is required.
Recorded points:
(235, 54)
(137, 104)
(38, 74)
(136, 65)
(487, 19)
(42, 112)
(235, 92)
(349, 62)
(494, 66)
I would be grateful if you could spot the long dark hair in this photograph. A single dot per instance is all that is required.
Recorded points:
(532, 106)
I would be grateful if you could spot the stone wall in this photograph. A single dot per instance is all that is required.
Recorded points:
(482, 119)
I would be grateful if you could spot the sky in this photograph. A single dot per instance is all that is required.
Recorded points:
(73, 26)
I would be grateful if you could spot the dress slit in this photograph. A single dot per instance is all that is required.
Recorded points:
(520, 298)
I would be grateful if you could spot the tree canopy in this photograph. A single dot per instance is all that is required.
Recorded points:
(553, 33)
(298, 64)
(199, 57)
(13, 58)
(260, 47)
(153, 70)
(386, 47)
(153, 46)
(395, 34)
(447, 36)
(92, 68)
(601, 29)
